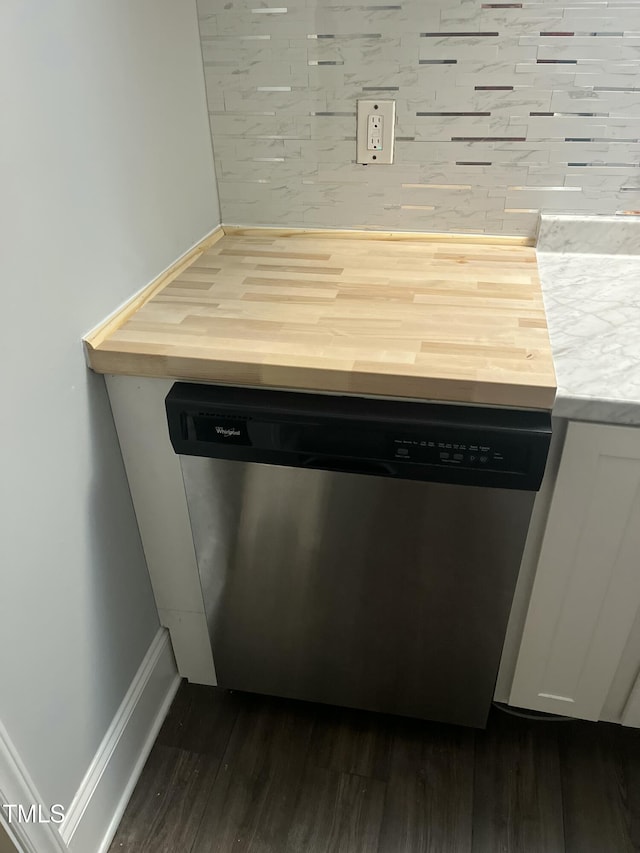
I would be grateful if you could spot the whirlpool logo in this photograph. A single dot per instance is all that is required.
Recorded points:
(227, 432)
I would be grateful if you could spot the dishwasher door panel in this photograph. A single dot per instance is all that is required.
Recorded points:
(362, 591)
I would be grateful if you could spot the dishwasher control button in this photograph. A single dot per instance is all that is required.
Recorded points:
(458, 457)
(484, 459)
(402, 451)
(444, 455)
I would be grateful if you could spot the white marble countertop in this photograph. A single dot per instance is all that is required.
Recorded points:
(592, 301)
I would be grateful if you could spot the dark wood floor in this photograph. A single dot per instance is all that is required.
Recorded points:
(251, 774)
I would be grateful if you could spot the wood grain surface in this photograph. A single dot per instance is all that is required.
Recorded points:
(396, 315)
(278, 776)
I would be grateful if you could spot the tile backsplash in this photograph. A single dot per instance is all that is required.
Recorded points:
(503, 109)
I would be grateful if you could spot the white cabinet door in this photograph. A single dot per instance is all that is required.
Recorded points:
(586, 592)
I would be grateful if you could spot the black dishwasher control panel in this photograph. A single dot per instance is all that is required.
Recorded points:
(465, 452)
(465, 445)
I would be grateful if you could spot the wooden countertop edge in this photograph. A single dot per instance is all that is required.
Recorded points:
(101, 332)
(325, 379)
(390, 236)
(105, 356)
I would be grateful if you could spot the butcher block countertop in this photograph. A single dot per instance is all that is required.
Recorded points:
(434, 317)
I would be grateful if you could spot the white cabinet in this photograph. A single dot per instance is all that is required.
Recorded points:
(155, 481)
(586, 592)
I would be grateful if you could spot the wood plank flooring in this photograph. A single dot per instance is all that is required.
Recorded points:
(254, 774)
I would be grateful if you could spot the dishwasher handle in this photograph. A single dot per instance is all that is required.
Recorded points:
(343, 465)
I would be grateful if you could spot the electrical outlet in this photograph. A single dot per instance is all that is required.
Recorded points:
(375, 132)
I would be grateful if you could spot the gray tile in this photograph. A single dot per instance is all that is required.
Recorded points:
(283, 79)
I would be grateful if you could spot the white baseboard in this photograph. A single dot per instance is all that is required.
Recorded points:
(97, 808)
(16, 786)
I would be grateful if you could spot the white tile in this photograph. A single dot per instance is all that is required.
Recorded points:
(283, 122)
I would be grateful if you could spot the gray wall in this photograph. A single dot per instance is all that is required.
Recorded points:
(6, 844)
(503, 109)
(107, 176)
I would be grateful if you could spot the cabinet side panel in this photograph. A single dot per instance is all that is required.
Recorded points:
(587, 587)
(157, 489)
(529, 564)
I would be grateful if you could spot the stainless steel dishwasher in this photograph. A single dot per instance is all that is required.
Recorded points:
(360, 552)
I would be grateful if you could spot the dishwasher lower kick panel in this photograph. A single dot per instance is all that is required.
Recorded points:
(382, 594)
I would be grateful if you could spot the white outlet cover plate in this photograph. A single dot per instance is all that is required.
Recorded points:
(387, 109)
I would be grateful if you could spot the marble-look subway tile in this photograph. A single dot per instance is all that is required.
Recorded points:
(333, 127)
(273, 74)
(622, 79)
(617, 129)
(555, 127)
(461, 219)
(619, 51)
(215, 99)
(242, 170)
(254, 149)
(470, 74)
(623, 19)
(516, 53)
(350, 173)
(426, 152)
(327, 77)
(327, 151)
(383, 220)
(208, 25)
(235, 7)
(615, 103)
(562, 202)
(444, 199)
(495, 178)
(515, 224)
(283, 123)
(517, 102)
(469, 47)
(250, 51)
(353, 172)
(296, 22)
(346, 19)
(604, 179)
(261, 212)
(383, 71)
(589, 152)
(297, 102)
(444, 128)
(350, 196)
(603, 183)
(242, 192)
(512, 22)
(261, 127)
(359, 49)
(357, 85)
